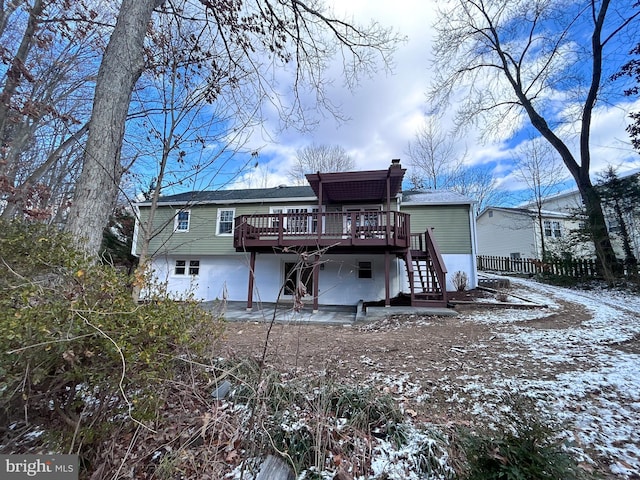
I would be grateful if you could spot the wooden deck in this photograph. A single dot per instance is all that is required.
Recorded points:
(385, 230)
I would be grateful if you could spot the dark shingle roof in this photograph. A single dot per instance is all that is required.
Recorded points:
(247, 194)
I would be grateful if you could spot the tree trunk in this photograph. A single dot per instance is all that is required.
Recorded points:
(598, 229)
(16, 73)
(543, 255)
(122, 64)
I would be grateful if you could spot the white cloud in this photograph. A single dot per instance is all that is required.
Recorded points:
(382, 112)
(385, 111)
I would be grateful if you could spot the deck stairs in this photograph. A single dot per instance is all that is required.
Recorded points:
(426, 272)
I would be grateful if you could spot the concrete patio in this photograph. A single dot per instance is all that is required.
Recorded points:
(327, 314)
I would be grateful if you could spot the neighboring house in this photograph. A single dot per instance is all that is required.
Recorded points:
(571, 202)
(516, 232)
(346, 237)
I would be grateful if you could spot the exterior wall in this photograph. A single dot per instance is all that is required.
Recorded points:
(568, 203)
(505, 233)
(224, 272)
(202, 237)
(510, 232)
(451, 224)
(453, 231)
(227, 276)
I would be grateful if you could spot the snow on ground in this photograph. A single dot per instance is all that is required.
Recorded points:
(598, 393)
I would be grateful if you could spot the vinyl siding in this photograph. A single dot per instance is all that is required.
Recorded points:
(505, 233)
(450, 223)
(201, 239)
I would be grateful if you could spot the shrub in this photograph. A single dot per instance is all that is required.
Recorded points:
(315, 419)
(460, 281)
(525, 447)
(78, 356)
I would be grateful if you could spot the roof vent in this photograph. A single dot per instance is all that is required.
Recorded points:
(281, 186)
(395, 162)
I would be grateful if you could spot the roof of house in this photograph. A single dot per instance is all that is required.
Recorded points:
(248, 195)
(527, 211)
(358, 186)
(434, 197)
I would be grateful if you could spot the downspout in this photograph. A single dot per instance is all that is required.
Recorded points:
(474, 246)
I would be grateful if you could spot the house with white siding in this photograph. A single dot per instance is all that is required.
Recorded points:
(520, 232)
(344, 238)
(571, 202)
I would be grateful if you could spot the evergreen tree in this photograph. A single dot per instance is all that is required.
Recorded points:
(621, 195)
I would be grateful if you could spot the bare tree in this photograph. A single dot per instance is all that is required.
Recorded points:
(260, 39)
(631, 69)
(478, 183)
(509, 58)
(319, 158)
(121, 66)
(435, 160)
(539, 168)
(182, 130)
(438, 163)
(52, 55)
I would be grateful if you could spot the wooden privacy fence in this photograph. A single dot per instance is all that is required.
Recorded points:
(578, 268)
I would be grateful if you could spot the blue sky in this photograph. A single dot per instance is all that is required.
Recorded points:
(384, 111)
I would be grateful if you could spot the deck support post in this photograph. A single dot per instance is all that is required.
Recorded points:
(316, 275)
(387, 261)
(252, 269)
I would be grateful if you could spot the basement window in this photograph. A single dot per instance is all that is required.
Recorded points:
(365, 270)
(181, 267)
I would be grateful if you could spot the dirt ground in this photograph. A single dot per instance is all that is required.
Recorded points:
(417, 357)
(577, 354)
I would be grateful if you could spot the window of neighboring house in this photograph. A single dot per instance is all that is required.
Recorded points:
(552, 229)
(193, 267)
(515, 256)
(225, 221)
(365, 270)
(490, 213)
(614, 226)
(182, 221)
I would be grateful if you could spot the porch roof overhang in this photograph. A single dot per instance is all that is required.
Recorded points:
(361, 186)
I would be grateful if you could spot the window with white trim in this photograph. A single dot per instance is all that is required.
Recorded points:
(184, 267)
(225, 221)
(182, 220)
(552, 229)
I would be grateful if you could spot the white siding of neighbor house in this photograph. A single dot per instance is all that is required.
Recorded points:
(505, 233)
(225, 276)
(569, 202)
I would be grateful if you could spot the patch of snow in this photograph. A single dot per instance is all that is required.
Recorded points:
(598, 399)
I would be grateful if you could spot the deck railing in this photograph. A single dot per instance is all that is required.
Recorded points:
(424, 243)
(374, 228)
